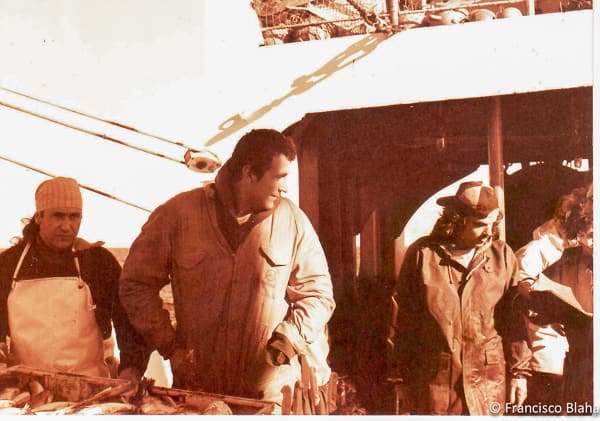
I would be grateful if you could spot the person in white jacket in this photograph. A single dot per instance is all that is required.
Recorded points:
(570, 228)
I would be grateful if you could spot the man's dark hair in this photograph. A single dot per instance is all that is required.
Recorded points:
(30, 231)
(257, 148)
(574, 212)
(450, 223)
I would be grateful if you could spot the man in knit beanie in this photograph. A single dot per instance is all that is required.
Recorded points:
(59, 295)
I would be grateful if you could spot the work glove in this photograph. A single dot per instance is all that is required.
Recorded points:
(279, 350)
(518, 391)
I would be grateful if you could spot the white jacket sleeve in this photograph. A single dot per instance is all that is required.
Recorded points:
(546, 249)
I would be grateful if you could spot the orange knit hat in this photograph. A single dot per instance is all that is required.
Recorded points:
(58, 192)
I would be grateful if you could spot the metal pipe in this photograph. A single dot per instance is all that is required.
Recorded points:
(83, 186)
(530, 7)
(114, 123)
(100, 135)
(392, 9)
(496, 157)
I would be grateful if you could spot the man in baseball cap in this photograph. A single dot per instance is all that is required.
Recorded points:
(59, 294)
(477, 206)
(452, 295)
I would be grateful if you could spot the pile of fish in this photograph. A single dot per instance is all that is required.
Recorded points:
(31, 398)
(165, 405)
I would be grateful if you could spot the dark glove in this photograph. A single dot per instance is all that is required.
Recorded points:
(134, 377)
(279, 350)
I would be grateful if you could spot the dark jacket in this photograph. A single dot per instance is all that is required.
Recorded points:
(100, 271)
(447, 335)
(579, 363)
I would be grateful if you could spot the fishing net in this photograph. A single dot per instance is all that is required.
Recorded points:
(301, 20)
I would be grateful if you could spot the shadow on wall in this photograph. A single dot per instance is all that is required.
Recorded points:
(349, 56)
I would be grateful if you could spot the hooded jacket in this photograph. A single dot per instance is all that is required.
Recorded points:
(448, 332)
(228, 304)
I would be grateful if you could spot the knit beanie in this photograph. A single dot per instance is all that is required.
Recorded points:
(58, 192)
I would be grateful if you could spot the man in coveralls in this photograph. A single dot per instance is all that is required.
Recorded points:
(251, 287)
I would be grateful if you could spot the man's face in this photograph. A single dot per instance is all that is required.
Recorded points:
(59, 226)
(264, 191)
(474, 233)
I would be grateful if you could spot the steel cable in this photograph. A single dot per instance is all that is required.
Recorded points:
(111, 122)
(100, 135)
(83, 186)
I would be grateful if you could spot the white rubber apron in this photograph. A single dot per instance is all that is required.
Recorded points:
(53, 325)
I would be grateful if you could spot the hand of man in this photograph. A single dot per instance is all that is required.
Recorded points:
(524, 286)
(275, 357)
(279, 350)
(133, 376)
(113, 366)
(518, 392)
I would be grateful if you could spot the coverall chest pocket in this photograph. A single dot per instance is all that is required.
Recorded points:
(189, 260)
(273, 269)
(188, 267)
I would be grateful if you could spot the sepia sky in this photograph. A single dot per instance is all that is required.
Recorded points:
(193, 72)
(140, 63)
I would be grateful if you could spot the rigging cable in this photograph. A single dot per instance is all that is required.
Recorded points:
(100, 192)
(100, 135)
(114, 123)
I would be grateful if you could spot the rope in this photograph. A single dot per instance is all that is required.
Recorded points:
(100, 192)
(100, 135)
(114, 123)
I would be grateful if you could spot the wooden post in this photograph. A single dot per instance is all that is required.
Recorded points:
(308, 184)
(496, 157)
(392, 8)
